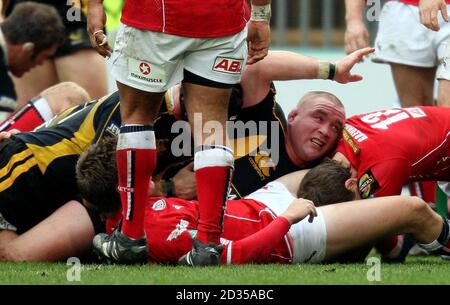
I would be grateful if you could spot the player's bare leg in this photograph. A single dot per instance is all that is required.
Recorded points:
(65, 233)
(414, 85)
(136, 160)
(368, 221)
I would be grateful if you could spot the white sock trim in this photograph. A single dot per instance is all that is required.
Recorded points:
(137, 140)
(433, 246)
(217, 156)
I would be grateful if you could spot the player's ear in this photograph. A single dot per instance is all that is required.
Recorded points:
(292, 114)
(28, 47)
(351, 184)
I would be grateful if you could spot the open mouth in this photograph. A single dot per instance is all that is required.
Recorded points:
(317, 142)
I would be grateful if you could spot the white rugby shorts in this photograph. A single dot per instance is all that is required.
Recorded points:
(402, 39)
(310, 239)
(154, 62)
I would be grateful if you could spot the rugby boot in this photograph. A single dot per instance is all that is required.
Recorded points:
(120, 249)
(202, 254)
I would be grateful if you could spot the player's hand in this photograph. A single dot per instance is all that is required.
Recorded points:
(428, 10)
(96, 20)
(184, 183)
(7, 134)
(299, 209)
(258, 40)
(356, 36)
(345, 65)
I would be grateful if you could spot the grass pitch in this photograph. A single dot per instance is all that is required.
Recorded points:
(416, 270)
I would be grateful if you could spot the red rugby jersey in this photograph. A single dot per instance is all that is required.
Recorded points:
(393, 147)
(193, 18)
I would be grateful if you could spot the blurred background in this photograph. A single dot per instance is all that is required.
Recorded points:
(316, 28)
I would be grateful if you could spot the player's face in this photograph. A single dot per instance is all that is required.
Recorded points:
(32, 61)
(314, 128)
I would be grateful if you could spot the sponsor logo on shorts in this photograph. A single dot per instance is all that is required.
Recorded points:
(228, 65)
(145, 68)
(145, 72)
(367, 184)
(159, 205)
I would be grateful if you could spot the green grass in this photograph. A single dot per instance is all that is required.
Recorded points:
(417, 270)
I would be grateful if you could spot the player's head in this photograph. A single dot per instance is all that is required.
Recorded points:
(315, 125)
(96, 175)
(327, 183)
(32, 31)
(65, 95)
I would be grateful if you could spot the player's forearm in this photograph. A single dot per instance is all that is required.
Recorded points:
(354, 10)
(283, 65)
(259, 245)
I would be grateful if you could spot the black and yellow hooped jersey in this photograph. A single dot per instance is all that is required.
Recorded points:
(266, 159)
(37, 169)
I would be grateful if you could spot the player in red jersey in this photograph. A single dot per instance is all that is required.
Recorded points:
(268, 226)
(415, 54)
(385, 150)
(392, 147)
(159, 44)
(50, 102)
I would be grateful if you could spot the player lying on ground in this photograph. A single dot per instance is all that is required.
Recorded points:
(267, 225)
(52, 151)
(385, 150)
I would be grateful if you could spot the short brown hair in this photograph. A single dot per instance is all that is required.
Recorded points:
(325, 184)
(96, 175)
(34, 22)
(329, 96)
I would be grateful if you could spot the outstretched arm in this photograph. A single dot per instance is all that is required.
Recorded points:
(284, 65)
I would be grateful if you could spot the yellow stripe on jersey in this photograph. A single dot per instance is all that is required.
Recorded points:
(246, 145)
(76, 145)
(14, 159)
(19, 170)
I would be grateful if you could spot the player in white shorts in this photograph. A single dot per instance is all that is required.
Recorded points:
(417, 55)
(159, 44)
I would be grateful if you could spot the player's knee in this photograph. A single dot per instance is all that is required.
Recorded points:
(418, 209)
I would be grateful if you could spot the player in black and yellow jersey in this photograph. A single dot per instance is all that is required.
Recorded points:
(37, 169)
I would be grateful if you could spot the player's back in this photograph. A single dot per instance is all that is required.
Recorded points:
(415, 135)
(171, 223)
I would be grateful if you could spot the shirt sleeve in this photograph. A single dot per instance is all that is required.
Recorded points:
(391, 176)
(254, 248)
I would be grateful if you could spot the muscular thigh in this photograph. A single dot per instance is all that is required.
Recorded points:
(414, 85)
